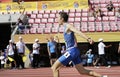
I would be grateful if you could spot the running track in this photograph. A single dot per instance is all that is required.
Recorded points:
(64, 72)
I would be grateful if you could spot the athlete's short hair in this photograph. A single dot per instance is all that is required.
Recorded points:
(64, 15)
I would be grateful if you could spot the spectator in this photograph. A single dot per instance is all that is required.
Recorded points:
(110, 6)
(119, 48)
(89, 57)
(21, 27)
(21, 51)
(10, 54)
(101, 52)
(52, 48)
(36, 48)
(2, 59)
(63, 50)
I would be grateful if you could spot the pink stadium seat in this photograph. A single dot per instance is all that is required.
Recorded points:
(71, 14)
(40, 30)
(104, 9)
(107, 1)
(55, 25)
(112, 18)
(33, 30)
(35, 12)
(102, 1)
(34, 26)
(91, 19)
(113, 26)
(39, 16)
(77, 14)
(44, 20)
(54, 29)
(53, 11)
(49, 25)
(51, 20)
(26, 31)
(56, 20)
(77, 19)
(110, 13)
(84, 19)
(115, 1)
(41, 11)
(61, 29)
(77, 25)
(47, 11)
(84, 27)
(42, 25)
(91, 26)
(106, 26)
(72, 10)
(28, 12)
(103, 5)
(71, 19)
(105, 18)
(47, 30)
(96, 2)
(84, 14)
(118, 24)
(52, 15)
(45, 15)
(84, 10)
(78, 11)
(37, 21)
(66, 10)
(33, 16)
(98, 26)
(116, 5)
(31, 21)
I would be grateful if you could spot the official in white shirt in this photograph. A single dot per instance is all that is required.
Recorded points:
(36, 52)
(21, 51)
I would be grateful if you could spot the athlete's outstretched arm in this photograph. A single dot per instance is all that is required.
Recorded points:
(71, 28)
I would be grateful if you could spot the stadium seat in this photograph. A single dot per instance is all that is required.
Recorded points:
(47, 11)
(71, 19)
(66, 10)
(42, 25)
(33, 16)
(71, 14)
(78, 10)
(91, 26)
(99, 27)
(61, 29)
(39, 16)
(77, 19)
(104, 9)
(50, 20)
(49, 25)
(34, 25)
(84, 14)
(47, 30)
(77, 25)
(106, 27)
(35, 12)
(40, 30)
(84, 27)
(45, 15)
(91, 19)
(44, 20)
(41, 11)
(103, 5)
(105, 18)
(33, 30)
(31, 21)
(26, 31)
(28, 12)
(84, 19)
(112, 18)
(96, 2)
(113, 26)
(84, 10)
(110, 13)
(55, 25)
(77, 14)
(102, 1)
(53, 11)
(72, 10)
(54, 29)
(37, 21)
(52, 15)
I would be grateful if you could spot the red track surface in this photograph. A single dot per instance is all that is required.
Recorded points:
(64, 72)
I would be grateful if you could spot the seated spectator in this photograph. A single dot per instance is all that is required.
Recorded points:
(97, 12)
(110, 6)
(21, 27)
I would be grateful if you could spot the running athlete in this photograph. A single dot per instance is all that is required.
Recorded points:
(72, 53)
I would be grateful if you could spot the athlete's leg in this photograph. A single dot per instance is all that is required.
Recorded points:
(56, 66)
(82, 70)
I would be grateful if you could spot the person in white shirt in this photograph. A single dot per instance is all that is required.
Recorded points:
(21, 51)
(101, 52)
(10, 53)
(36, 48)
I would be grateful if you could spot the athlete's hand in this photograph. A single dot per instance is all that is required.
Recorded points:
(90, 40)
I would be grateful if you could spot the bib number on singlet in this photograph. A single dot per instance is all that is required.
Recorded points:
(67, 54)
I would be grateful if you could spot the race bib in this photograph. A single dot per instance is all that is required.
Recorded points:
(67, 54)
